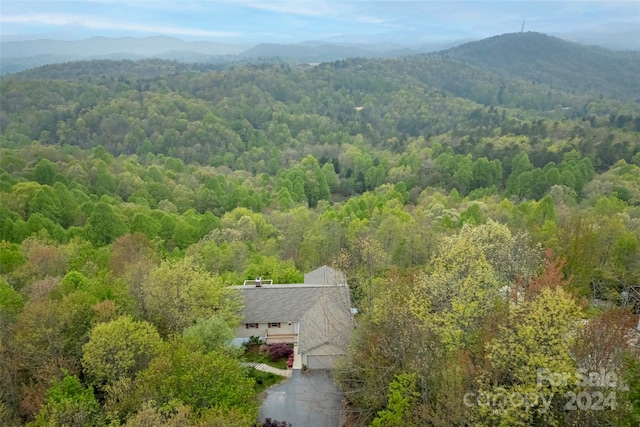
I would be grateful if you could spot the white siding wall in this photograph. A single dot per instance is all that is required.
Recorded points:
(243, 332)
(285, 329)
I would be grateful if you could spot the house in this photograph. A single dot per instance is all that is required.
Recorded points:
(314, 316)
(325, 276)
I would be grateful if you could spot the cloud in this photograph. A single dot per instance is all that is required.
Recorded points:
(304, 7)
(91, 22)
(298, 20)
(166, 6)
(366, 19)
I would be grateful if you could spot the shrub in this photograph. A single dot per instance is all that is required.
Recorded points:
(279, 351)
(274, 423)
(253, 340)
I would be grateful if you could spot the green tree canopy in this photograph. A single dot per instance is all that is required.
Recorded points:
(119, 349)
(69, 403)
(103, 225)
(200, 380)
(178, 293)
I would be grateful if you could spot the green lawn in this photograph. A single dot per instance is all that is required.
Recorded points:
(264, 380)
(254, 356)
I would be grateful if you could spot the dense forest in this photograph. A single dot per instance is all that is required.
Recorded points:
(487, 219)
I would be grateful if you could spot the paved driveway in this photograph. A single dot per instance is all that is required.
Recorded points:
(305, 400)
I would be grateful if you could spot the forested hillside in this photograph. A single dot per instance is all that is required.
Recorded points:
(488, 223)
(556, 63)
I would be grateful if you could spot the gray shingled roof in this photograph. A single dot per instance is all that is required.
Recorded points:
(324, 275)
(328, 321)
(288, 303)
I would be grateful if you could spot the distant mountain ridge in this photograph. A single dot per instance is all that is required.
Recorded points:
(16, 56)
(555, 62)
(322, 52)
(21, 55)
(101, 46)
(529, 56)
(615, 36)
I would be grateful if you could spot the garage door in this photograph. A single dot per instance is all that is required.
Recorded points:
(321, 362)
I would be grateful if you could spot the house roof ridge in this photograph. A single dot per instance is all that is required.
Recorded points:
(290, 285)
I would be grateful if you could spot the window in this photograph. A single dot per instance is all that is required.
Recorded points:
(252, 325)
(274, 325)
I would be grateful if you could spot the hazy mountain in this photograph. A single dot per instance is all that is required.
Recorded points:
(314, 51)
(100, 46)
(529, 55)
(88, 70)
(437, 37)
(621, 36)
(195, 57)
(558, 63)
(15, 65)
(21, 55)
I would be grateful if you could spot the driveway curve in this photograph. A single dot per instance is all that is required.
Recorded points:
(311, 399)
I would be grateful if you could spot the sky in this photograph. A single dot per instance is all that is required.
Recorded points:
(251, 21)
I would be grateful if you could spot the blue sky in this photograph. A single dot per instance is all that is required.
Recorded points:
(250, 21)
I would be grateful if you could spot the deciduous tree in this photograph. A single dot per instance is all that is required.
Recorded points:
(178, 293)
(119, 349)
(200, 380)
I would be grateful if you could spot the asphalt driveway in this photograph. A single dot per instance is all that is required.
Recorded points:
(305, 400)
